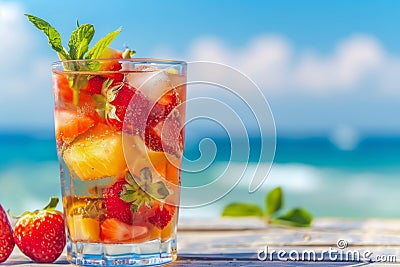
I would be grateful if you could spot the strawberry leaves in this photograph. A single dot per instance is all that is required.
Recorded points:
(142, 190)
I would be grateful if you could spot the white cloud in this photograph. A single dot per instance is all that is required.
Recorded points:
(274, 64)
(26, 97)
(11, 27)
(265, 59)
(353, 60)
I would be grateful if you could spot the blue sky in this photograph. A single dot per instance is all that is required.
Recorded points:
(326, 67)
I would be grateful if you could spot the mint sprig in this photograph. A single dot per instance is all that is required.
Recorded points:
(52, 34)
(78, 49)
(103, 43)
(297, 217)
(78, 42)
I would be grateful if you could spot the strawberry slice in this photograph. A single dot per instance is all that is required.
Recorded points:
(159, 125)
(123, 100)
(163, 130)
(6, 236)
(116, 207)
(115, 231)
(162, 215)
(95, 84)
(166, 135)
(69, 124)
(163, 107)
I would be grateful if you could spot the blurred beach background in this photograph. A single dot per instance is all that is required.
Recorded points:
(330, 71)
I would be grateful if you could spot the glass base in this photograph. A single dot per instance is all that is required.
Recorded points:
(149, 253)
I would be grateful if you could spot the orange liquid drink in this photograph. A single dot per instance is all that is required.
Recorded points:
(120, 137)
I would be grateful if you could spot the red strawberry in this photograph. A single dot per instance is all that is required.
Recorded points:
(95, 84)
(40, 235)
(116, 207)
(115, 231)
(6, 236)
(160, 125)
(118, 98)
(166, 136)
(162, 215)
(163, 130)
(163, 107)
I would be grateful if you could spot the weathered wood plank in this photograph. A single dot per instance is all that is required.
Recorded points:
(236, 242)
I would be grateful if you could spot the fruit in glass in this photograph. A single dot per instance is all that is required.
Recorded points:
(119, 126)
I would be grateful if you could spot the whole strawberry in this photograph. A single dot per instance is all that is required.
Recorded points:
(40, 235)
(6, 236)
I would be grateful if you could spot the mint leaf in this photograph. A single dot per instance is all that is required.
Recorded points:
(79, 41)
(242, 209)
(296, 217)
(274, 201)
(52, 34)
(103, 43)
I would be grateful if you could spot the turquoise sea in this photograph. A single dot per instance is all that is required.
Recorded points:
(313, 172)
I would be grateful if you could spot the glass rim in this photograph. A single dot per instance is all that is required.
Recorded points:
(139, 60)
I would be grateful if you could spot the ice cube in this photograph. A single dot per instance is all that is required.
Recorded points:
(153, 84)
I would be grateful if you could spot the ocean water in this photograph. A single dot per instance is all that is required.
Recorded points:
(313, 172)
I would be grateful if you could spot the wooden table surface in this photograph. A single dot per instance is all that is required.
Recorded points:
(241, 242)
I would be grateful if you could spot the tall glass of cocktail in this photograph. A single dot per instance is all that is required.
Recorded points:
(120, 132)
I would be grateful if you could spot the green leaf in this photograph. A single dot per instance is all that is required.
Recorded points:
(296, 217)
(52, 34)
(158, 190)
(53, 202)
(103, 43)
(127, 194)
(134, 207)
(128, 53)
(79, 41)
(129, 178)
(274, 201)
(241, 210)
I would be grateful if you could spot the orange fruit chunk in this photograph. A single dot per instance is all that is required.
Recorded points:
(69, 124)
(84, 229)
(162, 164)
(96, 155)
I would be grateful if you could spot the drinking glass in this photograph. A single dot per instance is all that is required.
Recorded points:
(119, 126)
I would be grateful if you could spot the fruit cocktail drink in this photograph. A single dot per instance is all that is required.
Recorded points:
(120, 142)
(119, 125)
